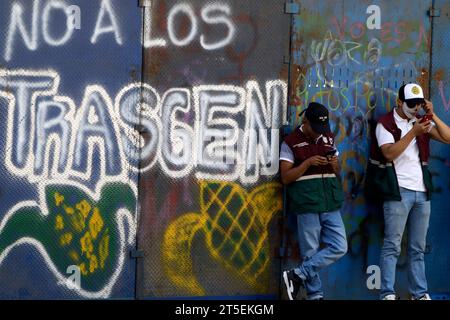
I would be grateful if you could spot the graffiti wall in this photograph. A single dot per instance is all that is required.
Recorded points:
(208, 188)
(140, 141)
(343, 60)
(439, 260)
(69, 184)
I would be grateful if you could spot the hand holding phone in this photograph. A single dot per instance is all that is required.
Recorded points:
(330, 154)
(425, 118)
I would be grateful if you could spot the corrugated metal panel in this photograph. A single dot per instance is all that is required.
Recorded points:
(209, 229)
(59, 80)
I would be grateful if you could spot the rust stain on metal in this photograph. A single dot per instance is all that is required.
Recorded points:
(439, 75)
(284, 73)
(423, 80)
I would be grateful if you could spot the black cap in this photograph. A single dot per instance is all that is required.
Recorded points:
(318, 117)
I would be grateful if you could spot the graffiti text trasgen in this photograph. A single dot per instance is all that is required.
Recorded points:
(218, 131)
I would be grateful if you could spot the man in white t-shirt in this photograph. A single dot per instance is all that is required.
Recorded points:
(398, 174)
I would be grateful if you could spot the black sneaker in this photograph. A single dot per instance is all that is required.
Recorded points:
(293, 283)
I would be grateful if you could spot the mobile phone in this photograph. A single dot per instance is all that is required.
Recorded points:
(426, 118)
(330, 154)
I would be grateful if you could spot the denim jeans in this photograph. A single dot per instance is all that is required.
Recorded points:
(412, 211)
(315, 228)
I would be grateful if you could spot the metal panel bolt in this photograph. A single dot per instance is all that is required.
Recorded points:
(433, 12)
(291, 8)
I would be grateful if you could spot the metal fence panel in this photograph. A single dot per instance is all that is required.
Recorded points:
(208, 225)
(68, 192)
(439, 259)
(342, 59)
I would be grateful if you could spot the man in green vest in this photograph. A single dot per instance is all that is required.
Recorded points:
(310, 170)
(398, 175)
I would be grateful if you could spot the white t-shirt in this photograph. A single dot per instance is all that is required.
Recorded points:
(407, 165)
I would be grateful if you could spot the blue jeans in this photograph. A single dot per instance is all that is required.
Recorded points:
(313, 229)
(414, 212)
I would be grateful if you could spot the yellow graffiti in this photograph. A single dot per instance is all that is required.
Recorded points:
(87, 223)
(177, 252)
(83, 270)
(74, 255)
(68, 210)
(86, 245)
(93, 264)
(95, 224)
(58, 199)
(59, 223)
(65, 239)
(76, 219)
(84, 207)
(103, 249)
(235, 226)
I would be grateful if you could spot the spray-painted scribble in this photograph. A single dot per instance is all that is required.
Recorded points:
(235, 226)
(71, 226)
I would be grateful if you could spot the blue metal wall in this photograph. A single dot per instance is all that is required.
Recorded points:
(439, 259)
(208, 226)
(92, 64)
(356, 72)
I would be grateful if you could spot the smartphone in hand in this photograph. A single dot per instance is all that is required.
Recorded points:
(426, 118)
(330, 154)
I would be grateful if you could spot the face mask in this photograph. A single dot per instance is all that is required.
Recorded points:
(407, 111)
